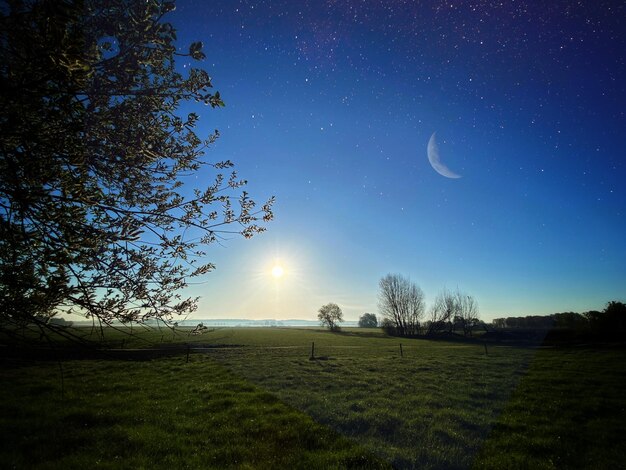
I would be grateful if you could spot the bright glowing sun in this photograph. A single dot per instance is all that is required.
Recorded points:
(278, 271)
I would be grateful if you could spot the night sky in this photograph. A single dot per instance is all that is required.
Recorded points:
(330, 106)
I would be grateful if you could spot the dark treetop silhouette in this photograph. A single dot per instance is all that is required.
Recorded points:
(95, 217)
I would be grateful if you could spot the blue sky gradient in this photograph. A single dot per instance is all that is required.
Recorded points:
(330, 106)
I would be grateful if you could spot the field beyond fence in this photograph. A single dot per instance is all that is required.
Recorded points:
(308, 398)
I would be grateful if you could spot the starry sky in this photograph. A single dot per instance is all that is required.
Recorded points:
(330, 106)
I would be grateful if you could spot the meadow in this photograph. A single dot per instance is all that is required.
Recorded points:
(255, 398)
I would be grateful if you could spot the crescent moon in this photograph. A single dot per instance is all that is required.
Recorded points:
(435, 162)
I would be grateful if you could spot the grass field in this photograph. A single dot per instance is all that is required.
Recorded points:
(159, 414)
(253, 398)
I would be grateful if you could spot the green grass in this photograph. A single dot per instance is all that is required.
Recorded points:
(157, 414)
(569, 411)
(257, 400)
(432, 408)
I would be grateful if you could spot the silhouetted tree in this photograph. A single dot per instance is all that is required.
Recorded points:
(401, 302)
(594, 319)
(611, 321)
(615, 313)
(569, 320)
(443, 311)
(467, 316)
(389, 327)
(368, 320)
(330, 315)
(96, 215)
(529, 322)
(499, 322)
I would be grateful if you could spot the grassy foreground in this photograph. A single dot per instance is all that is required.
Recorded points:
(432, 407)
(569, 411)
(157, 414)
(253, 398)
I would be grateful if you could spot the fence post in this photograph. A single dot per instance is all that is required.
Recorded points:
(401, 353)
(486, 352)
(313, 350)
(62, 381)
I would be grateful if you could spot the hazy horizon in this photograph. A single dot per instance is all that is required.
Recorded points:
(313, 319)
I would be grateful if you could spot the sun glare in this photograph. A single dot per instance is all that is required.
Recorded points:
(278, 271)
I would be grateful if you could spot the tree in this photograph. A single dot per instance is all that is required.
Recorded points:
(442, 313)
(401, 302)
(611, 321)
(453, 310)
(467, 316)
(594, 319)
(330, 315)
(368, 320)
(569, 320)
(615, 313)
(97, 215)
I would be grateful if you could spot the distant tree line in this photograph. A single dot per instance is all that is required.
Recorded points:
(57, 321)
(611, 319)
